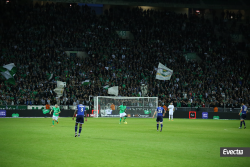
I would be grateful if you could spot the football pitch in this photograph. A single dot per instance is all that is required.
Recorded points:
(106, 143)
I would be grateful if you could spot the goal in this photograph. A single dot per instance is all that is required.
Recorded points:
(108, 106)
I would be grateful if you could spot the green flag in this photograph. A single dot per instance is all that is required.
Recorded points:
(9, 71)
(86, 82)
(49, 76)
(45, 111)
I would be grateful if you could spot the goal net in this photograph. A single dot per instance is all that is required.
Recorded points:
(108, 106)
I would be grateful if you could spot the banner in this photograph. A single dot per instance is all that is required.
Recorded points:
(163, 73)
(205, 115)
(192, 114)
(46, 111)
(14, 107)
(147, 111)
(15, 115)
(130, 113)
(108, 111)
(42, 107)
(2, 113)
(216, 117)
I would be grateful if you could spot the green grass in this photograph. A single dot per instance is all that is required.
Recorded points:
(103, 142)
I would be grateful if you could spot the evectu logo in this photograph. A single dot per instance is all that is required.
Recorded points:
(232, 152)
(235, 151)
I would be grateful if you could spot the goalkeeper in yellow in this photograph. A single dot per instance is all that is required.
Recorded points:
(123, 113)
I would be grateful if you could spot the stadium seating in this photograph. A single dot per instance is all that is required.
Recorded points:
(35, 38)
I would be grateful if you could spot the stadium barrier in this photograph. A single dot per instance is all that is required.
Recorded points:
(115, 113)
(36, 107)
(72, 107)
(39, 113)
(206, 109)
(210, 115)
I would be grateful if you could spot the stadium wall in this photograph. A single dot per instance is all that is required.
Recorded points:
(69, 113)
(222, 115)
(39, 113)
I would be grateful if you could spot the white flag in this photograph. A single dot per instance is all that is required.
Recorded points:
(9, 66)
(61, 84)
(113, 90)
(59, 91)
(163, 73)
(9, 71)
(6, 74)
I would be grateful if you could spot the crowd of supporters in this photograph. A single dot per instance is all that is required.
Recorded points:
(34, 38)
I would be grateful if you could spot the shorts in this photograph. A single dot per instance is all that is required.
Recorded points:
(80, 119)
(123, 114)
(55, 117)
(159, 119)
(243, 116)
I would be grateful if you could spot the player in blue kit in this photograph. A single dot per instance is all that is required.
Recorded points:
(80, 110)
(243, 115)
(160, 114)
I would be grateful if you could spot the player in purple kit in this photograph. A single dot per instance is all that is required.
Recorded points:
(80, 110)
(160, 114)
(243, 115)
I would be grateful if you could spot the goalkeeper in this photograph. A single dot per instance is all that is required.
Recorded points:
(123, 112)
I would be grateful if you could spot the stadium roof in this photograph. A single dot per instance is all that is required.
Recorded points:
(205, 4)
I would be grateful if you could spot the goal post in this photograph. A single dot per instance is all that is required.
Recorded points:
(108, 106)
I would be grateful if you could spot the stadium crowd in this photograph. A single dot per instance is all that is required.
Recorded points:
(34, 38)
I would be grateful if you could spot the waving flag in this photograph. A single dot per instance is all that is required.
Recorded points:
(86, 82)
(9, 71)
(113, 90)
(163, 73)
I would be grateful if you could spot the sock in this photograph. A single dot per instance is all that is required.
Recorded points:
(120, 120)
(244, 123)
(161, 126)
(169, 117)
(172, 117)
(76, 129)
(157, 126)
(53, 122)
(80, 130)
(240, 123)
(124, 119)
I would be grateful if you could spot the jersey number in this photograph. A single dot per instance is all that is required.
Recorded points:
(159, 111)
(81, 109)
(245, 109)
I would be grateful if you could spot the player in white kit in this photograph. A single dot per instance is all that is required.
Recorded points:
(171, 111)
